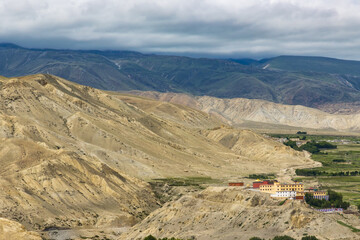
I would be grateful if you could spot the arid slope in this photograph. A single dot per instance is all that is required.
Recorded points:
(239, 110)
(73, 156)
(12, 230)
(233, 213)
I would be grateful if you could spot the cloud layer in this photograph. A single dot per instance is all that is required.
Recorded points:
(205, 27)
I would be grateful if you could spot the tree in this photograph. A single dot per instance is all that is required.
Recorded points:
(310, 147)
(291, 144)
(308, 197)
(150, 237)
(283, 238)
(256, 238)
(358, 206)
(334, 196)
(309, 238)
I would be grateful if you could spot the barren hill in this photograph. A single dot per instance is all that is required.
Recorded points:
(73, 156)
(239, 111)
(233, 213)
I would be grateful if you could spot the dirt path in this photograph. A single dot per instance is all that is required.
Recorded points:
(287, 174)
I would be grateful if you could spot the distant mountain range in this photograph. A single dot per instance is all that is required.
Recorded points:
(308, 81)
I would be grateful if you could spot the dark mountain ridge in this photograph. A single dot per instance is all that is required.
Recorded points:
(309, 81)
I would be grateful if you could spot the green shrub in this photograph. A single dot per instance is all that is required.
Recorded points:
(150, 237)
(282, 202)
(262, 176)
(292, 144)
(283, 238)
(339, 160)
(312, 147)
(309, 238)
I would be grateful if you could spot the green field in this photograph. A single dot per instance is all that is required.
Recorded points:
(349, 186)
(317, 137)
(347, 159)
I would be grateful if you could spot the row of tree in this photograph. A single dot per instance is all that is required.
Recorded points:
(261, 176)
(314, 172)
(312, 147)
(285, 237)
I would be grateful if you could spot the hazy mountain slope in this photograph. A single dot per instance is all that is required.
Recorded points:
(123, 70)
(225, 79)
(314, 64)
(83, 67)
(233, 213)
(70, 153)
(238, 110)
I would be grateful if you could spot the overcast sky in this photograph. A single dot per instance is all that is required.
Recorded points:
(235, 28)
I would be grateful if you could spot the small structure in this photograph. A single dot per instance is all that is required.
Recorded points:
(330, 210)
(257, 183)
(317, 194)
(284, 194)
(236, 184)
(300, 198)
(275, 186)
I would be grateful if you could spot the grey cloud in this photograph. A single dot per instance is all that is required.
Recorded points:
(202, 27)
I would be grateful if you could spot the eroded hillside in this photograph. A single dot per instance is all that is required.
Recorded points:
(13, 230)
(233, 213)
(73, 156)
(241, 111)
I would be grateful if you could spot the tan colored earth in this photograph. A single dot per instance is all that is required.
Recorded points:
(11, 230)
(247, 112)
(76, 161)
(76, 157)
(229, 213)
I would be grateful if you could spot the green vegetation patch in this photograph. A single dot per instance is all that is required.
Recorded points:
(262, 176)
(317, 137)
(349, 226)
(340, 169)
(150, 237)
(312, 147)
(189, 181)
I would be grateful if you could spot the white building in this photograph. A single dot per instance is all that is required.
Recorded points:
(284, 194)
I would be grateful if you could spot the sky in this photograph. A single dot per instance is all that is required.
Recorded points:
(203, 28)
